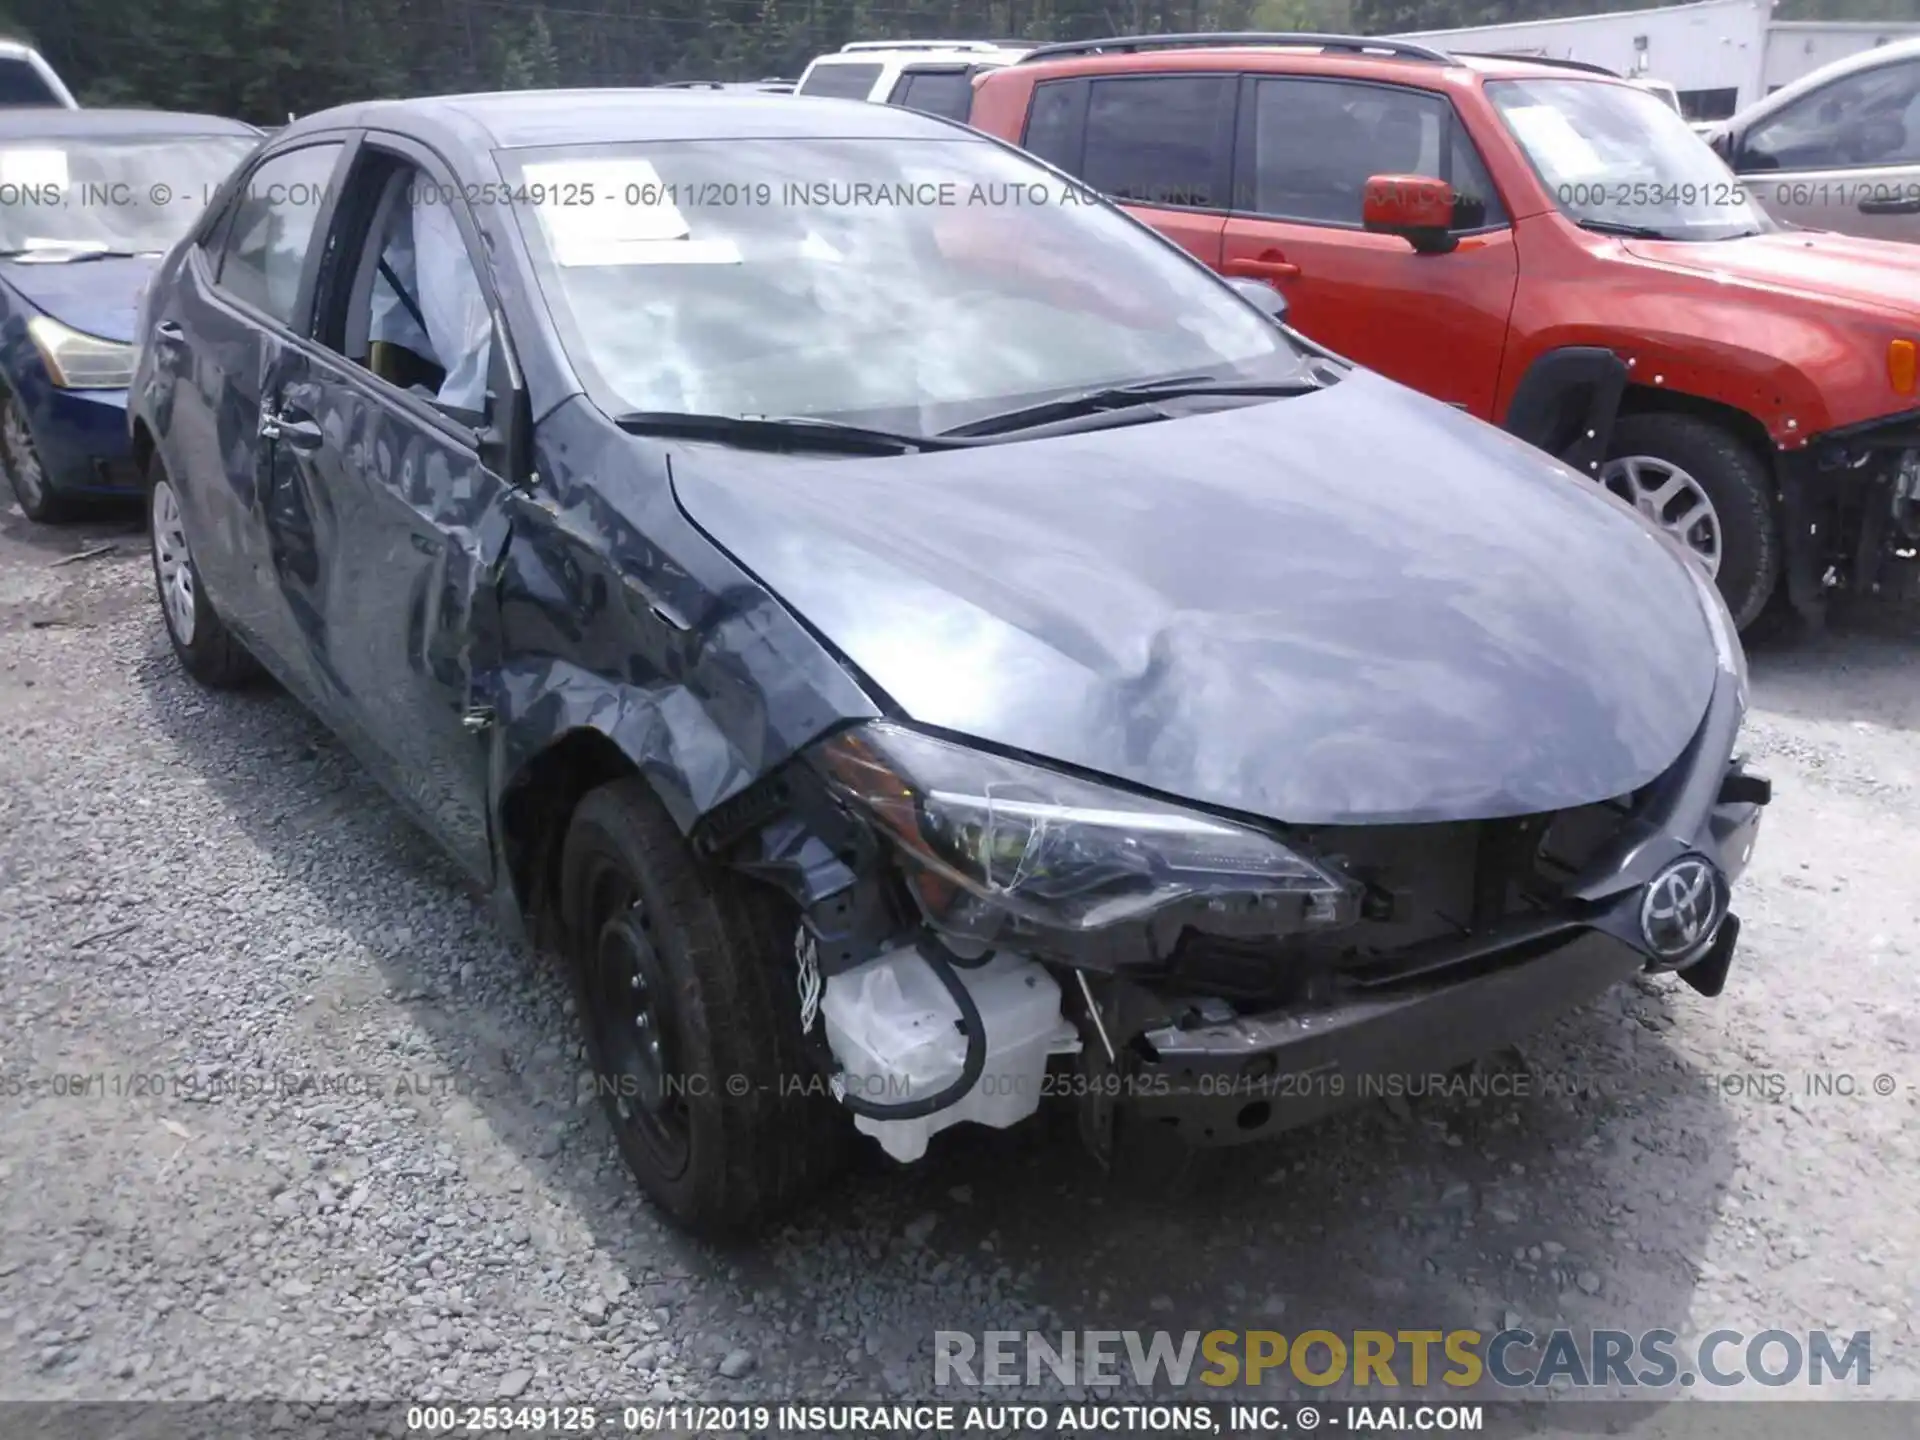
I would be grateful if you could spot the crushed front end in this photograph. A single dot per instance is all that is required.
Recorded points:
(981, 931)
(1850, 513)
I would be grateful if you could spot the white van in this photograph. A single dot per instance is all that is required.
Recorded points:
(931, 75)
(26, 79)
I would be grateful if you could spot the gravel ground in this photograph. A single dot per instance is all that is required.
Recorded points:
(205, 903)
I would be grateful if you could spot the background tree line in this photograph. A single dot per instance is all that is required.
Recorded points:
(262, 59)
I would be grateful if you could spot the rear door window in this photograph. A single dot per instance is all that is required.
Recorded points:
(1309, 147)
(841, 82)
(947, 92)
(272, 229)
(1054, 123)
(1160, 140)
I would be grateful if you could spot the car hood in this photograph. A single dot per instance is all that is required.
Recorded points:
(1881, 274)
(98, 297)
(1354, 606)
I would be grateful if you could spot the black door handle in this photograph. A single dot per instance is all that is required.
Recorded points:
(1891, 205)
(170, 331)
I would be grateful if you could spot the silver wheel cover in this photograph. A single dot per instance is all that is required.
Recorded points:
(172, 563)
(1672, 499)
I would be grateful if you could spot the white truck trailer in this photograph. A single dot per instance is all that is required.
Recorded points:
(1720, 55)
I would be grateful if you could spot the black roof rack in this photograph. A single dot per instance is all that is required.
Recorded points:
(1584, 65)
(1278, 39)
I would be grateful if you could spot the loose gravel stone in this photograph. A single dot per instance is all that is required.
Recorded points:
(386, 1188)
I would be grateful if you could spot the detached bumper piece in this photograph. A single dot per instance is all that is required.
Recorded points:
(1252, 1076)
(1220, 1078)
(1850, 500)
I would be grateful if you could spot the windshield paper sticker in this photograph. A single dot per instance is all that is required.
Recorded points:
(617, 212)
(33, 169)
(1555, 143)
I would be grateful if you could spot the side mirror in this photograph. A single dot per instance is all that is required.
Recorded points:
(1418, 208)
(1269, 301)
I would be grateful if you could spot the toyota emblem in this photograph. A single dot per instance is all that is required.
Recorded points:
(1682, 907)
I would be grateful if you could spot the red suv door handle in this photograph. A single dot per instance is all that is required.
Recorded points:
(1268, 267)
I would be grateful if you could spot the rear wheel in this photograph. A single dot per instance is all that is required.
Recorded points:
(206, 649)
(20, 458)
(1706, 487)
(692, 1019)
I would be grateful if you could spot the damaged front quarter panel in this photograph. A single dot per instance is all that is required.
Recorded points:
(631, 644)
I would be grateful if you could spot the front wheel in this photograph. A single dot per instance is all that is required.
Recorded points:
(688, 995)
(206, 649)
(1706, 488)
(26, 472)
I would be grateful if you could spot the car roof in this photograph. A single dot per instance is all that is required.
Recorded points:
(519, 119)
(1306, 57)
(926, 53)
(52, 123)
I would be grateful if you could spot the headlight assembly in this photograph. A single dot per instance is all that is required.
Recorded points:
(985, 840)
(78, 361)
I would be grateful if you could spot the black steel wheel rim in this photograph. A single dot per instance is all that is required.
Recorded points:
(645, 1092)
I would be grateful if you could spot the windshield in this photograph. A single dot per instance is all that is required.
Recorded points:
(137, 194)
(1614, 157)
(911, 284)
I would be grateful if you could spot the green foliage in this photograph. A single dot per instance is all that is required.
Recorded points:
(261, 59)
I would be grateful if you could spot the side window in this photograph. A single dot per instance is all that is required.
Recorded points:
(947, 93)
(21, 84)
(416, 316)
(1156, 140)
(1051, 130)
(1311, 146)
(272, 227)
(1868, 118)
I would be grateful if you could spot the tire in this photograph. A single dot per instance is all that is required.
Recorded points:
(1737, 483)
(20, 458)
(732, 1142)
(206, 649)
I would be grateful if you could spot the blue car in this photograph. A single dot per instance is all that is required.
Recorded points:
(909, 635)
(89, 202)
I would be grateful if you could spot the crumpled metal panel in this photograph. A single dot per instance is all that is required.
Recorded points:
(619, 617)
(383, 542)
(1351, 607)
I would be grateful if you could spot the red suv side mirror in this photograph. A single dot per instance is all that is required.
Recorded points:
(1418, 208)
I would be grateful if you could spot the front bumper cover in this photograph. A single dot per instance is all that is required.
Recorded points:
(1836, 507)
(1228, 1080)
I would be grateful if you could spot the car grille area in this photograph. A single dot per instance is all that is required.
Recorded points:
(1425, 883)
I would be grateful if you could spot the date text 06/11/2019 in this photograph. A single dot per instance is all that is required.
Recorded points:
(842, 1419)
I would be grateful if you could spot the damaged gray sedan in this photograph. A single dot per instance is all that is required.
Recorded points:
(916, 642)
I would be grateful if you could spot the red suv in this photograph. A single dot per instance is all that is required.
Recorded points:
(1481, 229)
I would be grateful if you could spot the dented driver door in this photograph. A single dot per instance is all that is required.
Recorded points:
(388, 521)
(400, 611)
